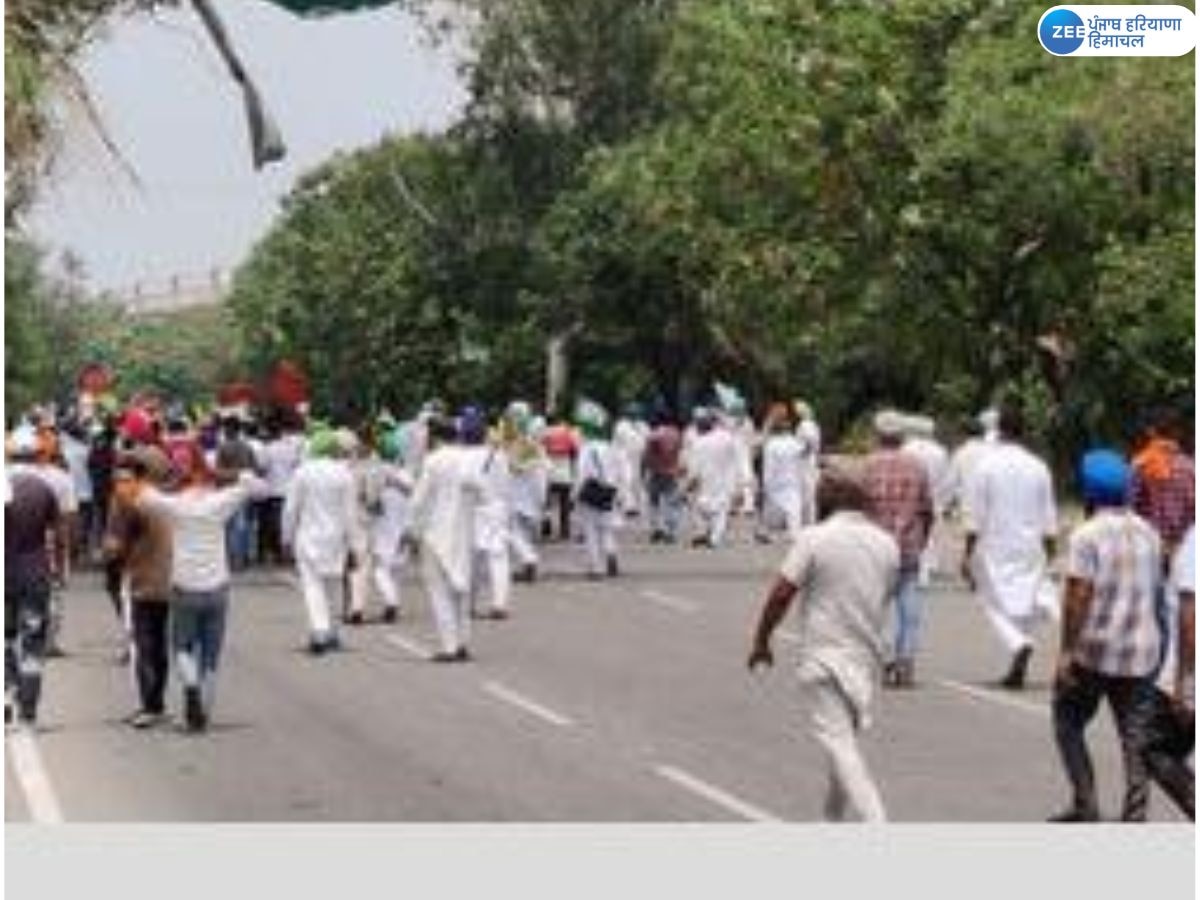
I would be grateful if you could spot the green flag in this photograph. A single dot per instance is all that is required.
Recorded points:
(329, 7)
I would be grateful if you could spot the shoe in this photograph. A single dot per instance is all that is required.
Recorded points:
(8, 713)
(496, 615)
(760, 538)
(391, 614)
(657, 537)
(194, 716)
(142, 719)
(1075, 815)
(594, 576)
(701, 542)
(463, 655)
(614, 569)
(443, 657)
(527, 574)
(906, 674)
(53, 651)
(890, 675)
(355, 618)
(1015, 679)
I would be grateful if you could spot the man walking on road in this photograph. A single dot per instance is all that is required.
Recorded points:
(444, 504)
(844, 570)
(139, 541)
(661, 462)
(1163, 487)
(34, 556)
(1011, 524)
(714, 473)
(901, 504)
(321, 526)
(1110, 635)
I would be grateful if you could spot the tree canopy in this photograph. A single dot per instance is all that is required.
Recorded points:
(860, 203)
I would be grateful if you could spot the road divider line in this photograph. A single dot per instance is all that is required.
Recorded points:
(995, 697)
(508, 695)
(678, 604)
(410, 647)
(716, 795)
(31, 774)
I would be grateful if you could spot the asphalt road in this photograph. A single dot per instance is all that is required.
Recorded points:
(624, 700)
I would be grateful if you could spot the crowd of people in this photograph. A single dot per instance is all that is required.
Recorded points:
(170, 507)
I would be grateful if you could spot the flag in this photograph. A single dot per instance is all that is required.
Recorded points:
(729, 398)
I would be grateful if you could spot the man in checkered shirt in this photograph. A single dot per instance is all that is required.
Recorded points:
(901, 504)
(1111, 641)
(1163, 487)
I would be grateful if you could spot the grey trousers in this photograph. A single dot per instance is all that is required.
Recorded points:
(834, 726)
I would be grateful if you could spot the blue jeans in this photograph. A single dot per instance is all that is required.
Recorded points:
(198, 633)
(909, 607)
(239, 534)
(665, 503)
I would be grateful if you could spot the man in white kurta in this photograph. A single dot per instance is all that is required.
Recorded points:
(528, 471)
(489, 468)
(321, 525)
(843, 570)
(444, 504)
(714, 473)
(783, 479)
(384, 487)
(598, 462)
(629, 441)
(1011, 523)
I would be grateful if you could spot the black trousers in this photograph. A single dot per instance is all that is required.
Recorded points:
(560, 496)
(1166, 738)
(1075, 705)
(270, 530)
(150, 651)
(26, 622)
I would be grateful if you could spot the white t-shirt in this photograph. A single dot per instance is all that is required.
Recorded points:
(198, 517)
(279, 459)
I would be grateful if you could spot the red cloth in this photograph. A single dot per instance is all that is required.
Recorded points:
(560, 440)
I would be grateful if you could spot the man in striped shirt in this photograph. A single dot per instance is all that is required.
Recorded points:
(1111, 641)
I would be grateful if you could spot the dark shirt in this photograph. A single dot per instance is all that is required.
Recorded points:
(663, 448)
(28, 518)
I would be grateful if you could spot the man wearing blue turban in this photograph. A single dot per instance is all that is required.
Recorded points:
(1111, 642)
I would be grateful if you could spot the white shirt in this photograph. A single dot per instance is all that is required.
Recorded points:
(809, 434)
(714, 463)
(444, 504)
(963, 463)
(320, 515)
(1010, 507)
(280, 458)
(198, 517)
(489, 465)
(844, 569)
(782, 465)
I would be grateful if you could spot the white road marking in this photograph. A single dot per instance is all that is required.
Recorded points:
(996, 697)
(522, 702)
(34, 780)
(670, 601)
(716, 795)
(411, 647)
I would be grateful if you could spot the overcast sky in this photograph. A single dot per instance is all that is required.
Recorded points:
(168, 103)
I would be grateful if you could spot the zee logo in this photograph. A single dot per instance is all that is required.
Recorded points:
(1062, 32)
